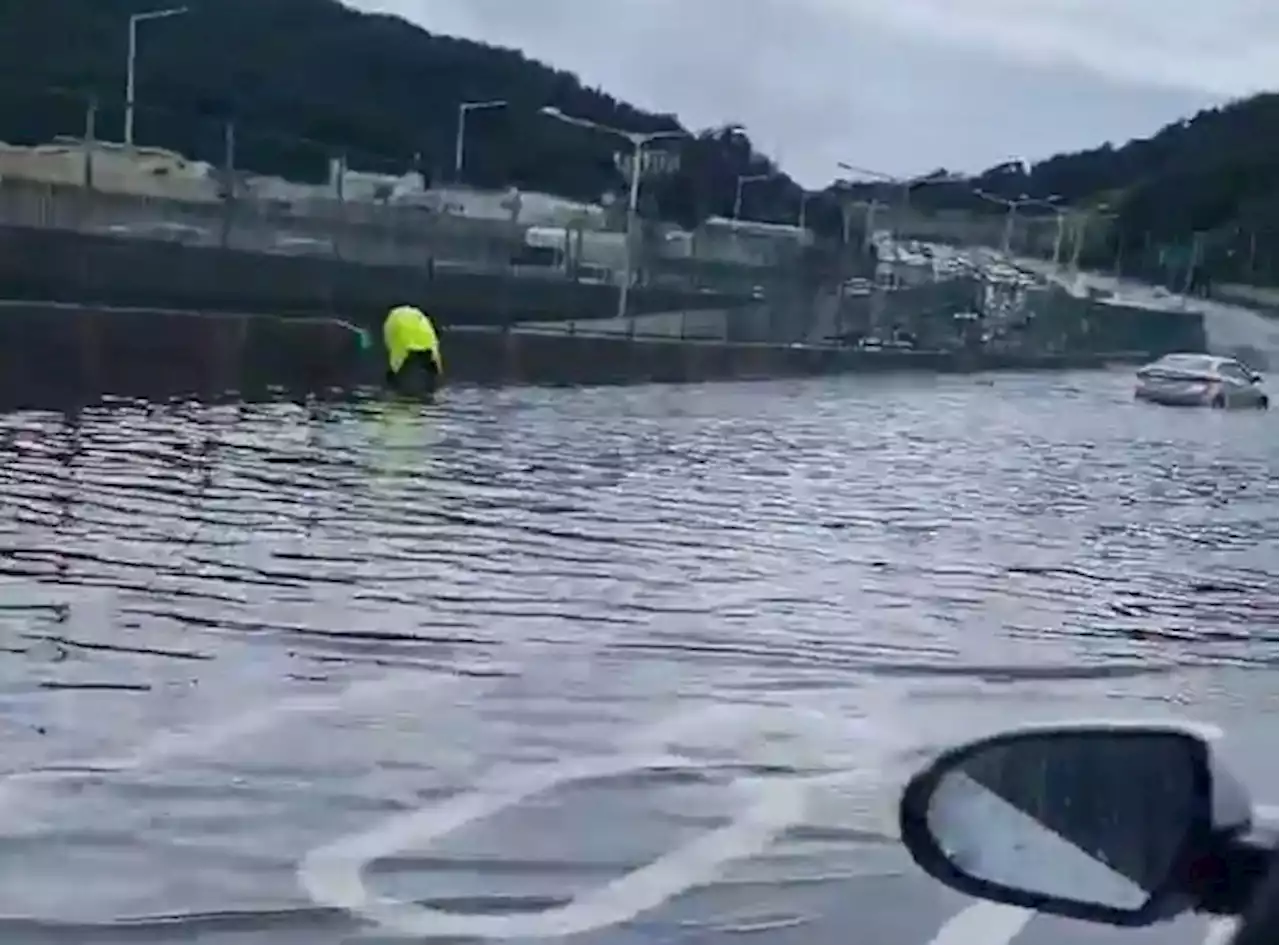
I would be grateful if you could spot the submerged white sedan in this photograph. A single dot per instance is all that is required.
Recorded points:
(1200, 380)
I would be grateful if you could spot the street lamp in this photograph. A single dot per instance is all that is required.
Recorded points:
(638, 140)
(1061, 215)
(870, 208)
(130, 80)
(906, 185)
(459, 141)
(878, 175)
(1013, 205)
(802, 219)
(743, 180)
(1100, 212)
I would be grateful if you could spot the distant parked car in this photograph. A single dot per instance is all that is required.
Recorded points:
(159, 230)
(1199, 380)
(286, 245)
(590, 274)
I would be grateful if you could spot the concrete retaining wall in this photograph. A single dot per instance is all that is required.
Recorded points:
(52, 355)
(1085, 324)
(60, 265)
(1264, 300)
(532, 358)
(795, 314)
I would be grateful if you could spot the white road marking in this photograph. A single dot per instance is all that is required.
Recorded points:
(990, 923)
(332, 874)
(200, 740)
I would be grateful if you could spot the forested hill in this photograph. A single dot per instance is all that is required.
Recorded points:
(306, 80)
(1209, 180)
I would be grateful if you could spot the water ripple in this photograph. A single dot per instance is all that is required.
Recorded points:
(190, 593)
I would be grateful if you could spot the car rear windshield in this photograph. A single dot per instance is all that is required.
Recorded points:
(1189, 363)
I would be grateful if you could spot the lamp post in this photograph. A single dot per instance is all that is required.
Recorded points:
(1059, 234)
(802, 219)
(130, 80)
(743, 180)
(459, 143)
(904, 183)
(1083, 222)
(638, 141)
(1012, 206)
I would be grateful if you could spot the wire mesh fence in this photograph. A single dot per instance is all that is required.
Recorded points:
(226, 185)
(77, 179)
(244, 193)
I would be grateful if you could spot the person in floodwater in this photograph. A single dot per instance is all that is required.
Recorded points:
(414, 362)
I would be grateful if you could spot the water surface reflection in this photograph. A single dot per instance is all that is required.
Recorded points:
(234, 632)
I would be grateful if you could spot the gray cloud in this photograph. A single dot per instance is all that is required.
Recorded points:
(899, 85)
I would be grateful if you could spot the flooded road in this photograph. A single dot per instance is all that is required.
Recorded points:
(510, 648)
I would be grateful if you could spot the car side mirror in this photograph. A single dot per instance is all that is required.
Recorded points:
(1104, 823)
(1255, 377)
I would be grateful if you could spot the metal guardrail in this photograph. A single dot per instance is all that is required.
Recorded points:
(364, 233)
(790, 299)
(347, 231)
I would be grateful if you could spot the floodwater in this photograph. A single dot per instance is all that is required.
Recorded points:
(267, 670)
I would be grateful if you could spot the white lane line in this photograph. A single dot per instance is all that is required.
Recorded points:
(662, 879)
(201, 740)
(988, 923)
(778, 805)
(332, 874)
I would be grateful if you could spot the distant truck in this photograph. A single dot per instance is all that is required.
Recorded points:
(583, 254)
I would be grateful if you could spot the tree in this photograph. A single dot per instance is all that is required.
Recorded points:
(305, 80)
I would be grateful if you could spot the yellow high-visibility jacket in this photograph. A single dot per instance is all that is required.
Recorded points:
(408, 329)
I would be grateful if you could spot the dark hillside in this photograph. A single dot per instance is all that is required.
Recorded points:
(306, 80)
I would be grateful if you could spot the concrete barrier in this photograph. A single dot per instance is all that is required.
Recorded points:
(522, 357)
(1258, 298)
(60, 354)
(811, 315)
(60, 265)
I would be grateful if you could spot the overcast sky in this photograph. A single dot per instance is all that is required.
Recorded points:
(902, 86)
